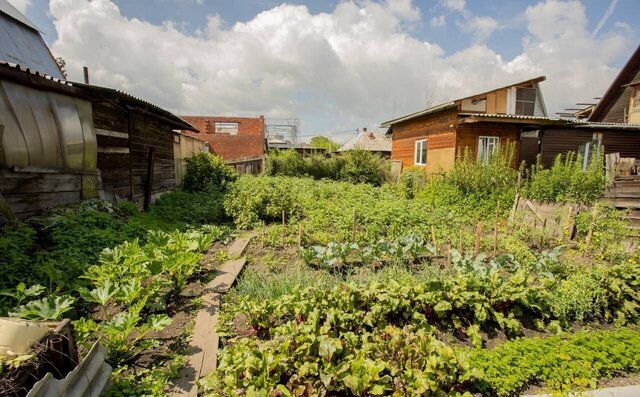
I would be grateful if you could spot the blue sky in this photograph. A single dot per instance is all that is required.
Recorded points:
(407, 51)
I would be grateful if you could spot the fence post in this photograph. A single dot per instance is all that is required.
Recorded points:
(476, 248)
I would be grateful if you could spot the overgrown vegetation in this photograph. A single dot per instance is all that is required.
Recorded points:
(566, 181)
(207, 172)
(357, 166)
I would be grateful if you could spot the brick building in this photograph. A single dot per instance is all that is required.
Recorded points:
(240, 141)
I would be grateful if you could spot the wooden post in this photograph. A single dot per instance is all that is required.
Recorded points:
(299, 235)
(476, 248)
(567, 232)
(433, 239)
(544, 226)
(283, 228)
(353, 232)
(460, 241)
(495, 230)
(149, 185)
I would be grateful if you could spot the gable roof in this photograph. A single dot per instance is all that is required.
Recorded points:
(455, 102)
(368, 141)
(618, 87)
(8, 9)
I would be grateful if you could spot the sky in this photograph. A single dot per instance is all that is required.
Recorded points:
(337, 65)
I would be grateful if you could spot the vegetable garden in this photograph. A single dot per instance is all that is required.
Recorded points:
(426, 287)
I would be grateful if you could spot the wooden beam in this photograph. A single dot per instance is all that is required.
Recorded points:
(113, 134)
(149, 184)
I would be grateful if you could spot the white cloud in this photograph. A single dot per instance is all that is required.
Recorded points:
(336, 70)
(457, 5)
(21, 5)
(480, 26)
(438, 21)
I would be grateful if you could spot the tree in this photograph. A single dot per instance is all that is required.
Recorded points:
(325, 143)
(62, 64)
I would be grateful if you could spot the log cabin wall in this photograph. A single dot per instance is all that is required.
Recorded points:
(125, 140)
(440, 131)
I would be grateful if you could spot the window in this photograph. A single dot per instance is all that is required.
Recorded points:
(589, 149)
(526, 101)
(487, 147)
(420, 154)
(225, 128)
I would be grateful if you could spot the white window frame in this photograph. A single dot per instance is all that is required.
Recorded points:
(420, 151)
(491, 141)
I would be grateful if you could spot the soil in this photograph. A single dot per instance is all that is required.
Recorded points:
(182, 309)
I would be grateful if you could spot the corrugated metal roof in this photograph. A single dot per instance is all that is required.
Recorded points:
(179, 122)
(510, 116)
(570, 122)
(8, 9)
(369, 141)
(22, 44)
(22, 68)
(426, 111)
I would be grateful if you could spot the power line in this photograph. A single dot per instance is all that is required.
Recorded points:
(330, 133)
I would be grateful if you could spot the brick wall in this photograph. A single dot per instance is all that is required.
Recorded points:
(248, 143)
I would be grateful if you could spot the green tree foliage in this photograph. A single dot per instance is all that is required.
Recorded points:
(325, 143)
(207, 172)
(356, 166)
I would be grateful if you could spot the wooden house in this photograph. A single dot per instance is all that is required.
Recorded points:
(135, 145)
(432, 138)
(240, 141)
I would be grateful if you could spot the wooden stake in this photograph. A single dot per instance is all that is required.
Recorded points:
(283, 228)
(433, 239)
(567, 232)
(449, 253)
(299, 235)
(460, 242)
(495, 230)
(544, 226)
(353, 232)
(476, 248)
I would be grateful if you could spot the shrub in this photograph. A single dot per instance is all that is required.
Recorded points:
(566, 181)
(207, 172)
(412, 181)
(475, 189)
(357, 166)
(361, 166)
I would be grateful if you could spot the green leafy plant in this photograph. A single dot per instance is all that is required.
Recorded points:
(206, 172)
(48, 309)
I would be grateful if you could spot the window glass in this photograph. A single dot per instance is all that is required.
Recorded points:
(487, 147)
(525, 101)
(420, 153)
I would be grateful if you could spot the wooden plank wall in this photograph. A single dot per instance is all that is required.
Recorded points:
(468, 133)
(30, 192)
(116, 163)
(439, 128)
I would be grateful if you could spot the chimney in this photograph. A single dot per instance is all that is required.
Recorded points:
(86, 74)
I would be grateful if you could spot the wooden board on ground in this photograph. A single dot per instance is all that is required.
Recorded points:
(203, 343)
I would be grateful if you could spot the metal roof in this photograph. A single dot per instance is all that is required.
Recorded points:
(8, 9)
(569, 122)
(21, 43)
(426, 111)
(470, 117)
(110, 93)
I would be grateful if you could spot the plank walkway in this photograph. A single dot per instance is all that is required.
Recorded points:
(203, 343)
